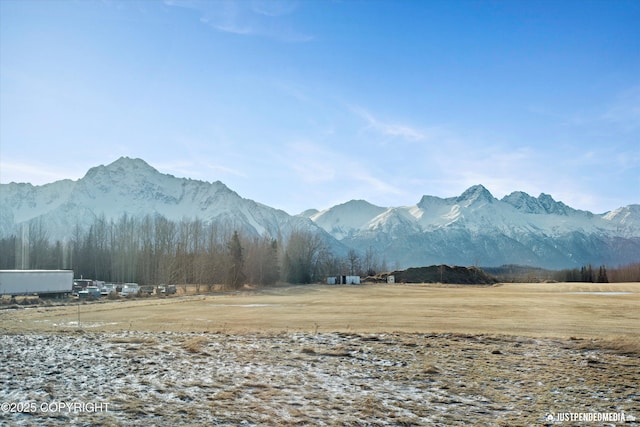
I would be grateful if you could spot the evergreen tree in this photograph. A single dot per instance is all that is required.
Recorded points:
(235, 277)
(602, 275)
(586, 274)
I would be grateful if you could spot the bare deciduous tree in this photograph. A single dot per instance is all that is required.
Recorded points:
(303, 256)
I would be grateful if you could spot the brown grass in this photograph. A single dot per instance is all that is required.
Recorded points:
(194, 345)
(431, 369)
(619, 345)
(308, 350)
(534, 310)
(276, 378)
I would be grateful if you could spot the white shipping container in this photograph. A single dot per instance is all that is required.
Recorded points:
(29, 282)
(343, 280)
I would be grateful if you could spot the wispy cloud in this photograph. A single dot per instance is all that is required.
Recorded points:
(311, 162)
(225, 170)
(395, 130)
(342, 176)
(271, 19)
(462, 161)
(179, 168)
(194, 169)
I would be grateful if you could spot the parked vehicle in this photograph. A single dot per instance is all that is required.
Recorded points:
(146, 290)
(107, 289)
(166, 289)
(129, 289)
(89, 292)
(81, 285)
(36, 282)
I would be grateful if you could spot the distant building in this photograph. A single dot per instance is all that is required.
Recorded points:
(343, 280)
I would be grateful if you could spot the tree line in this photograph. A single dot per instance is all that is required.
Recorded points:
(153, 250)
(588, 273)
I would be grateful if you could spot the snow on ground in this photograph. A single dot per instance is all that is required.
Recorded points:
(171, 378)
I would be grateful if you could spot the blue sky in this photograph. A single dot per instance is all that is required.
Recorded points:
(307, 104)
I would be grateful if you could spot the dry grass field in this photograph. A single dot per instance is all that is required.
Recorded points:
(535, 310)
(509, 354)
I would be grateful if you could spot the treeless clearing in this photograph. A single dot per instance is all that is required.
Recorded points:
(586, 310)
(323, 355)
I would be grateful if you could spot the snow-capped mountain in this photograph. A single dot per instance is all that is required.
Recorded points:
(132, 187)
(341, 219)
(476, 228)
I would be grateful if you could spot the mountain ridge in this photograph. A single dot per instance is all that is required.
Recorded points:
(133, 187)
(477, 228)
(474, 227)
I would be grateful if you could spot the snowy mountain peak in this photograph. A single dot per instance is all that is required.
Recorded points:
(552, 207)
(624, 213)
(308, 213)
(429, 202)
(340, 220)
(124, 166)
(626, 219)
(394, 222)
(474, 194)
(544, 203)
(133, 187)
(131, 164)
(522, 201)
(354, 208)
(135, 178)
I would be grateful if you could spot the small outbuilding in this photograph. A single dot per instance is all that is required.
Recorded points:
(343, 280)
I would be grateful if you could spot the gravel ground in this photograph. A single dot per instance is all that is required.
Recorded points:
(172, 378)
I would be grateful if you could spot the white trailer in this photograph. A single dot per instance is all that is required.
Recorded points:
(343, 280)
(36, 282)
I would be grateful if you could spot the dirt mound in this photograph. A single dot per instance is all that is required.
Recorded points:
(437, 274)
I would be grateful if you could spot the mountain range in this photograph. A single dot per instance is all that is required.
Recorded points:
(474, 228)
